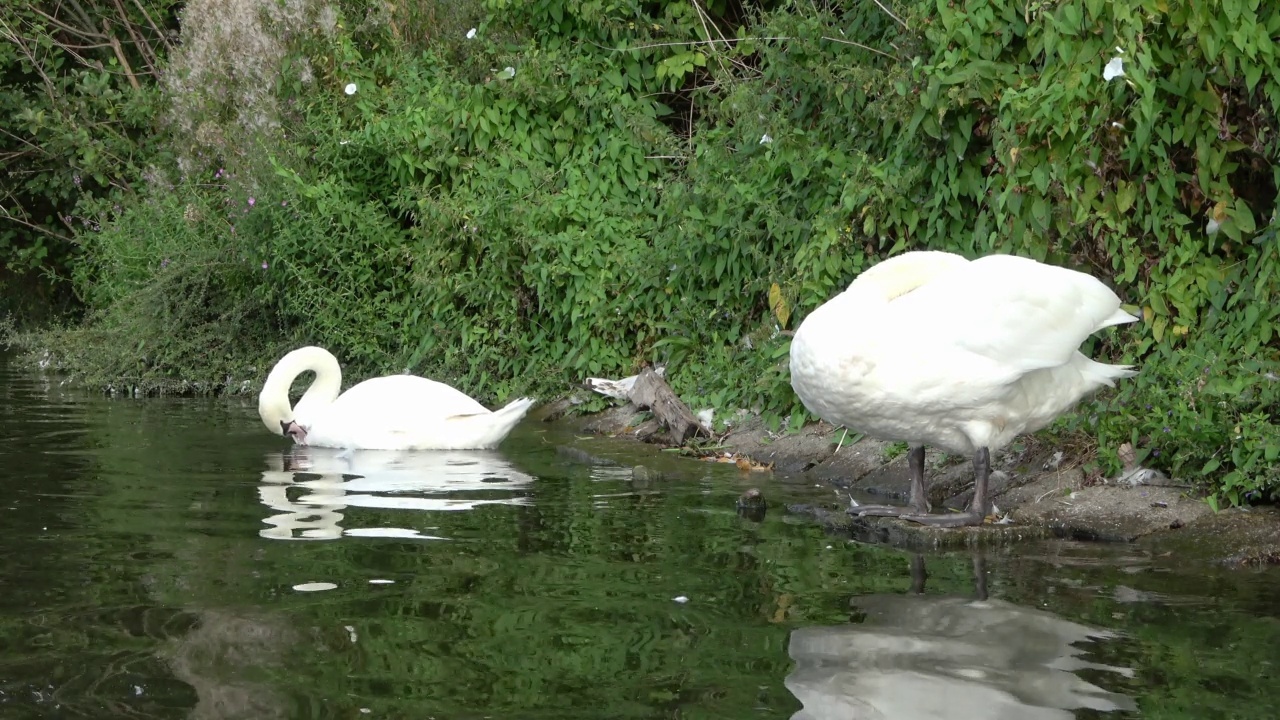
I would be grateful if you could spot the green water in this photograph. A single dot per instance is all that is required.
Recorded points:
(169, 559)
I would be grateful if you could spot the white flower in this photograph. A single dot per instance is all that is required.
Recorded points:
(765, 139)
(471, 34)
(1114, 69)
(350, 89)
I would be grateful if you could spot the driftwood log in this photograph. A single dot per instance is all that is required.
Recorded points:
(652, 392)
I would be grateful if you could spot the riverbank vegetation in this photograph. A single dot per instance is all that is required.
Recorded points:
(512, 195)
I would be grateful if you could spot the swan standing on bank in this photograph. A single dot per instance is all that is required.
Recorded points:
(395, 412)
(933, 349)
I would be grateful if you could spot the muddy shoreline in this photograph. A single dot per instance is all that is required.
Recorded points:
(1043, 491)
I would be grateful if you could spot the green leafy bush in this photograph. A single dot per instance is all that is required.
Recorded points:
(80, 109)
(176, 301)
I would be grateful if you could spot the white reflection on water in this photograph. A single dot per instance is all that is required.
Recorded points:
(309, 487)
(919, 657)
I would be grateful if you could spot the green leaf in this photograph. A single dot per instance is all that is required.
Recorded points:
(1252, 74)
(1243, 218)
(1040, 213)
(1126, 193)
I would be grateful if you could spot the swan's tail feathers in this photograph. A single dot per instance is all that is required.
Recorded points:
(1119, 317)
(516, 407)
(1102, 374)
(482, 431)
(1099, 374)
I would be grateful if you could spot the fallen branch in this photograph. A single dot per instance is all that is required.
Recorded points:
(651, 391)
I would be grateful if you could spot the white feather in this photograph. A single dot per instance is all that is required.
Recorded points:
(932, 349)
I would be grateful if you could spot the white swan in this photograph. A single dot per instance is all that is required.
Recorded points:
(396, 412)
(933, 349)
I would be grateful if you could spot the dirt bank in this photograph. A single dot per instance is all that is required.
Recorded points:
(1042, 490)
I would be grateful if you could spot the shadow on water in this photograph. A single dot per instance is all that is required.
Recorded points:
(142, 576)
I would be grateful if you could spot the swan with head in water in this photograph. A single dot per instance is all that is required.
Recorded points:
(395, 412)
(933, 349)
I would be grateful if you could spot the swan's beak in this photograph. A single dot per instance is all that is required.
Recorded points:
(293, 430)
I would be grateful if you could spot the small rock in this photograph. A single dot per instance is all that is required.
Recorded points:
(752, 505)
(1053, 462)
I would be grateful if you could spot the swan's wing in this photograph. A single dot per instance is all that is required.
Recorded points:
(408, 412)
(1019, 313)
(402, 402)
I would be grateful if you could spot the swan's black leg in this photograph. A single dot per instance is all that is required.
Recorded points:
(978, 509)
(981, 479)
(919, 497)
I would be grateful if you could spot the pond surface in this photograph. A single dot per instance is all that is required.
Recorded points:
(169, 559)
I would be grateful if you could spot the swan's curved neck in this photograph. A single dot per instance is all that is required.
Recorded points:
(323, 390)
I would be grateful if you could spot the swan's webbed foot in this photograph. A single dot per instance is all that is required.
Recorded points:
(950, 520)
(978, 509)
(919, 498)
(877, 510)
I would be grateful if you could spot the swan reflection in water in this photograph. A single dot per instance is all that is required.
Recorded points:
(918, 657)
(310, 486)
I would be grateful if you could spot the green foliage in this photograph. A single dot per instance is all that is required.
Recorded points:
(179, 305)
(582, 188)
(1205, 405)
(1200, 416)
(80, 107)
(333, 263)
(893, 451)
